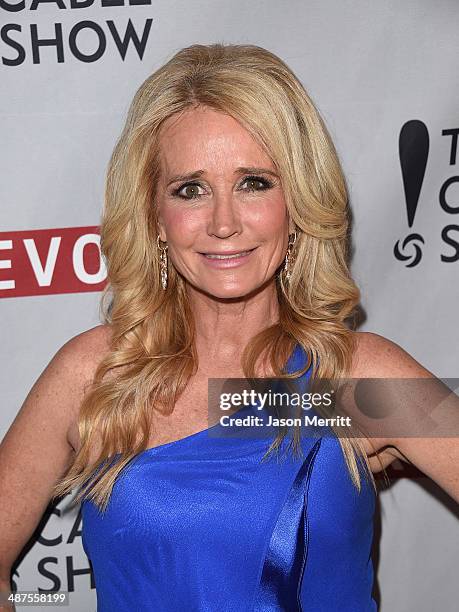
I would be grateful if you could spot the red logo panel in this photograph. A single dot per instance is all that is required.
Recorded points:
(46, 261)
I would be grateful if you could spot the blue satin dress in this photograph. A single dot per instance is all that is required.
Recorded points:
(201, 524)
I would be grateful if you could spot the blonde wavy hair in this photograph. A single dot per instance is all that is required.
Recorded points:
(152, 354)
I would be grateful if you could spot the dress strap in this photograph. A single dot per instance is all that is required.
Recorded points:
(285, 560)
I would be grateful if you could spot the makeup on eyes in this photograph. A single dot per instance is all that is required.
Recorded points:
(265, 184)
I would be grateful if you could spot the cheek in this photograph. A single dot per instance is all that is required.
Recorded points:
(268, 217)
(182, 226)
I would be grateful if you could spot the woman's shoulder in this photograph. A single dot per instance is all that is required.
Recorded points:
(76, 360)
(92, 341)
(379, 357)
(81, 355)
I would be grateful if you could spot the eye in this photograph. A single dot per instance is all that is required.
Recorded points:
(189, 191)
(257, 183)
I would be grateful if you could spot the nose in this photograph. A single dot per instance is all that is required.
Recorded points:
(225, 218)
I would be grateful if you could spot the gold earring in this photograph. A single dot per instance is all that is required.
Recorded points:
(162, 263)
(289, 259)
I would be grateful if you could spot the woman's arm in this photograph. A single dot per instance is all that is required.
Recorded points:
(36, 452)
(437, 457)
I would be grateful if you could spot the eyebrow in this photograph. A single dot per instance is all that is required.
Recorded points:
(240, 170)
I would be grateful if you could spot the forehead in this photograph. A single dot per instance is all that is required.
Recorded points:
(209, 139)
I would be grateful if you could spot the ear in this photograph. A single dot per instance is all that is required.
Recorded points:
(291, 226)
(160, 227)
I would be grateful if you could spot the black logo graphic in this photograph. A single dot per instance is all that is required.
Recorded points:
(66, 44)
(413, 146)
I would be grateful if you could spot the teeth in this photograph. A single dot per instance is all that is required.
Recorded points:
(227, 256)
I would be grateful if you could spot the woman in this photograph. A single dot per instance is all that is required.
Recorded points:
(225, 237)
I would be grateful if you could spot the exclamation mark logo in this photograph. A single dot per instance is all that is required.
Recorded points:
(413, 148)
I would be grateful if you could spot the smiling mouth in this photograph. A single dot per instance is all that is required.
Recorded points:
(227, 256)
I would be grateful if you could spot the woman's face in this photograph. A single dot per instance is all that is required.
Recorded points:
(219, 193)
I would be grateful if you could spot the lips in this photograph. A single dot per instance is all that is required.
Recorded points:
(227, 254)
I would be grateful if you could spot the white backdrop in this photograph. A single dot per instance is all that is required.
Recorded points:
(370, 67)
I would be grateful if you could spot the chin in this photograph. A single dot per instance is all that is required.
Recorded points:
(232, 291)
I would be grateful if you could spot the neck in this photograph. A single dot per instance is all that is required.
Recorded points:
(224, 326)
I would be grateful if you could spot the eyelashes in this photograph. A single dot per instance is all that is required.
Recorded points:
(263, 183)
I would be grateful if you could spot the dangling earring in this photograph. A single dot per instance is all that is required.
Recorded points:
(162, 263)
(289, 259)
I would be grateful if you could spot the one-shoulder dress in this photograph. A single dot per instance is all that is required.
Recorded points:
(202, 524)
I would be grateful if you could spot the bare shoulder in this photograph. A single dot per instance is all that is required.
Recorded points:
(80, 356)
(437, 456)
(38, 448)
(379, 357)
(62, 385)
(76, 361)
(87, 348)
(52, 404)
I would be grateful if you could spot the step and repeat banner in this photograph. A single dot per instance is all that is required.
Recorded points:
(384, 77)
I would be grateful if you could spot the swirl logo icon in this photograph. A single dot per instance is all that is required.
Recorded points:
(401, 253)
